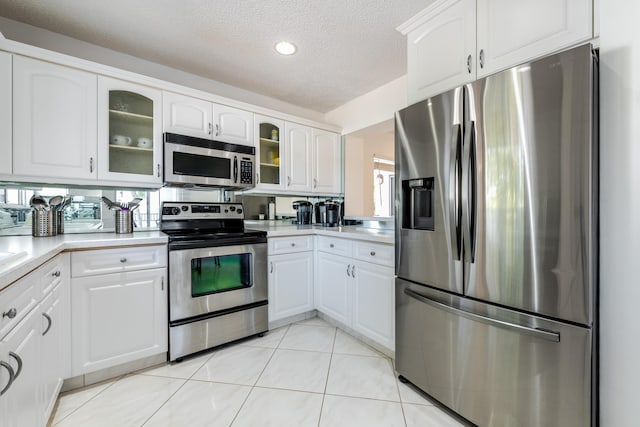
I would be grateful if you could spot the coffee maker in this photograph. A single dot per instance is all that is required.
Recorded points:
(304, 210)
(328, 213)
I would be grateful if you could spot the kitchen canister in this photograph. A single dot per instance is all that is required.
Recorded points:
(43, 223)
(124, 222)
(59, 222)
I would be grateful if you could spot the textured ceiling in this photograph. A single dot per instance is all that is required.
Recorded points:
(345, 47)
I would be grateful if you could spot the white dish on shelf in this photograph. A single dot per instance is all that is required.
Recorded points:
(121, 140)
(145, 142)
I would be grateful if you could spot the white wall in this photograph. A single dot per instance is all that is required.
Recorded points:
(619, 212)
(371, 108)
(45, 39)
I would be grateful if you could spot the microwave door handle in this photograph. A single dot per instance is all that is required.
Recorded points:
(235, 169)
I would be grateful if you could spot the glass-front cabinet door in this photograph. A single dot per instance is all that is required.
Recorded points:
(269, 150)
(130, 133)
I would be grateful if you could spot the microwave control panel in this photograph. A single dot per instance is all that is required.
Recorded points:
(246, 172)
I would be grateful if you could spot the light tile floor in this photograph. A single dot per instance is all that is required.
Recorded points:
(306, 374)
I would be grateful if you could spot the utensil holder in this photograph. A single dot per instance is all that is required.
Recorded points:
(59, 222)
(43, 223)
(124, 222)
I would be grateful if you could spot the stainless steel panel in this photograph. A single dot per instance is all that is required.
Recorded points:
(183, 305)
(536, 207)
(493, 366)
(201, 335)
(426, 137)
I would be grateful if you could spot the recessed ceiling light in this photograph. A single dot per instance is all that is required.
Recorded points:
(285, 48)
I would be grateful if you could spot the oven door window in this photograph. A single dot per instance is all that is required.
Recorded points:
(199, 165)
(223, 273)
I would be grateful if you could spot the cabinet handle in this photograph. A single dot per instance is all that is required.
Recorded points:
(162, 284)
(123, 260)
(56, 273)
(481, 58)
(210, 127)
(331, 245)
(217, 129)
(12, 376)
(288, 181)
(293, 244)
(271, 271)
(372, 253)
(315, 183)
(46, 316)
(353, 271)
(91, 164)
(19, 360)
(348, 268)
(469, 64)
(10, 314)
(158, 170)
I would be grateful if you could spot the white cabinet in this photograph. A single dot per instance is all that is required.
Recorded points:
(327, 162)
(6, 109)
(298, 156)
(373, 302)
(117, 317)
(441, 50)
(290, 276)
(512, 32)
(129, 132)
(54, 120)
(190, 116)
(269, 152)
(333, 288)
(34, 353)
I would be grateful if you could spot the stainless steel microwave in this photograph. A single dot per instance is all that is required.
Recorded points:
(203, 162)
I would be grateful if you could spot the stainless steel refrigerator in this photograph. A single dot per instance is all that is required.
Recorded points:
(496, 244)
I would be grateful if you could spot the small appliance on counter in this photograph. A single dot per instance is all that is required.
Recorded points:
(328, 213)
(304, 211)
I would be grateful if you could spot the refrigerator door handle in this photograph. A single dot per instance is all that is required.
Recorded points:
(469, 171)
(454, 192)
(539, 333)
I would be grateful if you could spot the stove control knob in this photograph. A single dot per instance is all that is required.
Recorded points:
(239, 210)
(175, 211)
(226, 211)
(184, 208)
(232, 208)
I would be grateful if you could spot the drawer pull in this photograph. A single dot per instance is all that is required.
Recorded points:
(19, 360)
(293, 244)
(331, 245)
(12, 376)
(372, 253)
(56, 273)
(10, 314)
(46, 316)
(123, 260)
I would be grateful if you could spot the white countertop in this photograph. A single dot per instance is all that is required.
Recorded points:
(285, 228)
(31, 252)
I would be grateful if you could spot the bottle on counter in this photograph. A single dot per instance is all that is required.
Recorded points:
(272, 210)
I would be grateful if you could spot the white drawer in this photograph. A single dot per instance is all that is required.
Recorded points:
(285, 245)
(376, 253)
(17, 300)
(334, 245)
(103, 261)
(53, 272)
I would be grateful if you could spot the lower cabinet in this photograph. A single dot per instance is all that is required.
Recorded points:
(117, 318)
(290, 276)
(34, 354)
(333, 286)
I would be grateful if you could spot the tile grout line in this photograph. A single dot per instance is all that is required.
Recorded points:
(258, 378)
(326, 383)
(113, 381)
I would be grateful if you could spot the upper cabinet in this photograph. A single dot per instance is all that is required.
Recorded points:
(453, 42)
(441, 51)
(54, 120)
(129, 132)
(298, 157)
(327, 162)
(185, 115)
(511, 32)
(5, 114)
(269, 151)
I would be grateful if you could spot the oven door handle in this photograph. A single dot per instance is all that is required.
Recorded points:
(235, 169)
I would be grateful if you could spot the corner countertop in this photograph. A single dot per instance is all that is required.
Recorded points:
(281, 228)
(31, 252)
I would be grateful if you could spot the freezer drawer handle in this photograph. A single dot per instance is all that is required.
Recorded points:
(539, 333)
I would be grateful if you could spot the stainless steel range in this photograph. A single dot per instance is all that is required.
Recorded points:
(217, 276)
